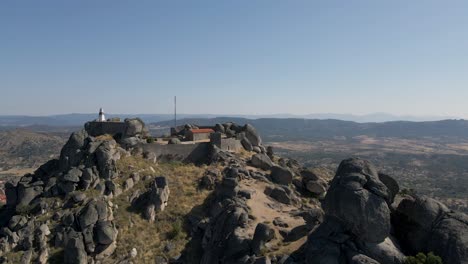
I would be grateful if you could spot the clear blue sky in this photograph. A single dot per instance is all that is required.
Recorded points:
(234, 57)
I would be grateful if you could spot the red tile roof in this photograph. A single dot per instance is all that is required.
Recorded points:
(202, 130)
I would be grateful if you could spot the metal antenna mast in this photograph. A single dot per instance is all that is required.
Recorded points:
(175, 111)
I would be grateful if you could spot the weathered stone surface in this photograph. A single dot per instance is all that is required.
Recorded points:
(219, 128)
(128, 184)
(423, 224)
(281, 194)
(263, 234)
(75, 251)
(135, 127)
(252, 135)
(72, 154)
(245, 142)
(384, 252)
(106, 156)
(25, 193)
(281, 175)
(11, 194)
(73, 175)
(222, 239)
(392, 186)
(105, 232)
(270, 152)
(316, 187)
(358, 198)
(261, 161)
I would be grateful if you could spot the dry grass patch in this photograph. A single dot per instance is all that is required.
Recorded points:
(151, 239)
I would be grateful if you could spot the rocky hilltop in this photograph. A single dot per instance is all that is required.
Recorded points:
(106, 200)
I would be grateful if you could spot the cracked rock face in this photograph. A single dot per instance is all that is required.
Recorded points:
(359, 200)
(423, 224)
(357, 219)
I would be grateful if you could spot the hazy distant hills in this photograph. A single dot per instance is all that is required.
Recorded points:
(79, 119)
(304, 129)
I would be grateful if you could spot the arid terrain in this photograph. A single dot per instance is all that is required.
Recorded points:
(432, 166)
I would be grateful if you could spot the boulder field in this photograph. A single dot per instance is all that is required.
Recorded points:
(258, 208)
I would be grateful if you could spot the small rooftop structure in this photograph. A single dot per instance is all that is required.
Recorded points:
(199, 134)
(202, 130)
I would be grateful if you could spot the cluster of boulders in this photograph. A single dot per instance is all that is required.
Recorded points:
(423, 224)
(222, 235)
(87, 233)
(287, 171)
(362, 226)
(27, 235)
(361, 219)
(86, 230)
(247, 134)
(154, 200)
(132, 132)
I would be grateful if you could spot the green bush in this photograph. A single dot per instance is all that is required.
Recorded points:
(421, 258)
(150, 140)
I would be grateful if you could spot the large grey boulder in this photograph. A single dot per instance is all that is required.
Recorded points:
(263, 234)
(88, 216)
(219, 128)
(91, 213)
(73, 175)
(26, 191)
(261, 161)
(223, 240)
(71, 153)
(155, 199)
(159, 195)
(135, 127)
(252, 135)
(314, 180)
(281, 175)
(11, 194)
(359, 200)
(246, 143)
(282, 194)
(106, 156)
(392, 186)
(325, 244)
(423, 224)
(105, 232)
(75, 251)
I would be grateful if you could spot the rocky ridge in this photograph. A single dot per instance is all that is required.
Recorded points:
(259, 208)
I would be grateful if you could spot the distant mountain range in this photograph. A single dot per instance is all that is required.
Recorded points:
(79, 119)
(282, 129)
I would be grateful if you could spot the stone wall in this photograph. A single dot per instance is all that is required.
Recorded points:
(101, 128)
(229, 144)
(196, 153)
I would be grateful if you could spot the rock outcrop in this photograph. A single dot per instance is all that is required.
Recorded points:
(155, 199)
(255, 211)
(357, 219)
(423, 224)
(86, 229)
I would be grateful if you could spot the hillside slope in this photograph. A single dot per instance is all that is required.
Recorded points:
(105, 200)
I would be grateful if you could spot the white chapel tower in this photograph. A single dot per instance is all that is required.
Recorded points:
(102, 118)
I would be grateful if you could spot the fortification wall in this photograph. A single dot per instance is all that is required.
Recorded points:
(100, 128)
(231, 144)
(196, 153)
